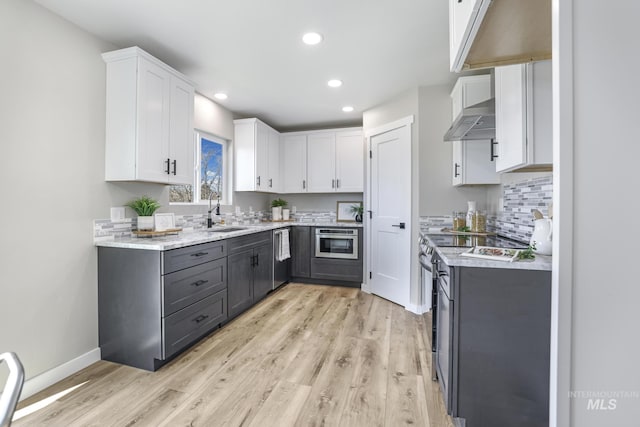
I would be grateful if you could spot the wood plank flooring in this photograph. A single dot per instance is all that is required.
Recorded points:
(305, 356)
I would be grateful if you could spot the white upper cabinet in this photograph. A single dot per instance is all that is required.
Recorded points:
(349, 162)
(524, 117)
(471, 160)
(461, 14)
(294, 163)
(257, 153)
(323, 161)
(149, 123)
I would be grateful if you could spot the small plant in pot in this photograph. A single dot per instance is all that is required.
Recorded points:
(357, 211)
(144, 206)
(276, 209)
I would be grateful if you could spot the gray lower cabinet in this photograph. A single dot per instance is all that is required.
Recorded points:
(152, 304)
(494, 345)
(250, 270)
(301, 246)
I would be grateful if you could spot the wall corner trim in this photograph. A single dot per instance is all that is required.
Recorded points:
(417, 309)
(389, 126)
(52, 376)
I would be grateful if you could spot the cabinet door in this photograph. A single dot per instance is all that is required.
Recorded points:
(182, 142)
(456, 169)
(294, 164)
(301, 251)
(468, 91)
(274, 161)
(460, 12)
(321, 167)
(240, 282)
(349, 162)
(262, 157)
(511, 113)
(153, 122)
(262, 271)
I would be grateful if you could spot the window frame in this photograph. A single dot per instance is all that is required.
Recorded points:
(227, 172)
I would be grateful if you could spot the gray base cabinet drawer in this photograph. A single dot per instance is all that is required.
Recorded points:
(179, 259)
(188, 324)
(185, 287)
(336, 269)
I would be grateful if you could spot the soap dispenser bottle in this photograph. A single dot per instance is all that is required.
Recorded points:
(471, 208)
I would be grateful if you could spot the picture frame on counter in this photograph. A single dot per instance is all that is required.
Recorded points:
(165, 221)
(344, 213)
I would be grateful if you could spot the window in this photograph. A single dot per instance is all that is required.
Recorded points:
(211, 175)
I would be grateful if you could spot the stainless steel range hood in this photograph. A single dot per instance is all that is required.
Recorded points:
(477, 121)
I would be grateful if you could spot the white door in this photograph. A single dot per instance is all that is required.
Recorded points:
(390, 260)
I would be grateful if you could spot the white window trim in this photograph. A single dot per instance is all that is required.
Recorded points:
(227, 154)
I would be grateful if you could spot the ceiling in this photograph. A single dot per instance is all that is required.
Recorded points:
(252, 50)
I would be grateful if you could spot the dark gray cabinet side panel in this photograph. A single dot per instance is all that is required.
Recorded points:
(301, 246)
(182, 328)
(239, 282)
(190, 285)
(504, 319)
(262, 271)
(129, 310)
(178, 259)
(242, 243)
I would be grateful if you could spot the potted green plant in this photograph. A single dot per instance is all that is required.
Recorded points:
(144, 206)
(357, 211)
(276, 209)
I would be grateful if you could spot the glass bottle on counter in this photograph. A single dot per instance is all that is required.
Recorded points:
(459, 220)
(479, 222)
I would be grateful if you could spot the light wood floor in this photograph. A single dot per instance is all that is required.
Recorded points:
(305, 356)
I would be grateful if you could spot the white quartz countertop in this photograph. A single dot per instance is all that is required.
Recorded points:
(189, 238)
(451, 256)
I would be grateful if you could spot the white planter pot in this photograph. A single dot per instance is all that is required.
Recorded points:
(276, 213)
(285, 214)
(145, 223)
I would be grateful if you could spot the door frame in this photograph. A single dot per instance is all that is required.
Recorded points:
(370, 133)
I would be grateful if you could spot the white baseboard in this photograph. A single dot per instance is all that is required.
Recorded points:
(418, 309)
(364, 287)
(52, 376)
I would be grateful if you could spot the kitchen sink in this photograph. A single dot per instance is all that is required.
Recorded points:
(225, 229)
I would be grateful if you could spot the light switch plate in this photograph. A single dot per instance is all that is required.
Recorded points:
(117, 214)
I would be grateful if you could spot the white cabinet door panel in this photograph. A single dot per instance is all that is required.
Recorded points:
(274, 161)
(456, 167)
(511, 113)
(294, 163)
(349, 162)
(182, 137)
(261, 158)
(321, 164)
(153, 123)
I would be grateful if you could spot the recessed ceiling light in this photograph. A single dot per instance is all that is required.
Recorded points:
(221, 96)
(347, 109)
(312, 38)
(334, 83)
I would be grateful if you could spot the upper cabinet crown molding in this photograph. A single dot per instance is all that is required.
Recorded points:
(149, 123)
(488, 33)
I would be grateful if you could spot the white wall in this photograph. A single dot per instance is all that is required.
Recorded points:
(437, 195)
(605, 319)
(52, 113)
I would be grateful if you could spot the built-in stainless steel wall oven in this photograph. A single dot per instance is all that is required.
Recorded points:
(336, 243)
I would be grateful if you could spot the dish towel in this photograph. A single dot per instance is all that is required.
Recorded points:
(283, 245)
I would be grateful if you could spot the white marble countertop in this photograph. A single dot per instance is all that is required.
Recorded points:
(451, 256)
(188, 238)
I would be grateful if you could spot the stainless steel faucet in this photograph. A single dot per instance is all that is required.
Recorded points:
(209, 219)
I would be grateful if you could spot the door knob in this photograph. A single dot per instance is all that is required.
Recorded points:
(401, 225)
